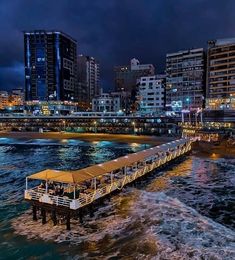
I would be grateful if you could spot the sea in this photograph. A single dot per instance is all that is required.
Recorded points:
(183, 211)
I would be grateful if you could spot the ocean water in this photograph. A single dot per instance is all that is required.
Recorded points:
(185, 211)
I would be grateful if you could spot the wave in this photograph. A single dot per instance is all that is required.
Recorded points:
(138, 224)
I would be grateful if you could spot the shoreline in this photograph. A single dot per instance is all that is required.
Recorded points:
(210, 148)
(124, 138)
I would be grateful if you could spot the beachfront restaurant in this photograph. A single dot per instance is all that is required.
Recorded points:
(75, 189)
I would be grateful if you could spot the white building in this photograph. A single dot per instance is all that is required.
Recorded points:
(106, 103)
(150, 96)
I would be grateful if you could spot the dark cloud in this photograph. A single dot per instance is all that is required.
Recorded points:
(113, 31)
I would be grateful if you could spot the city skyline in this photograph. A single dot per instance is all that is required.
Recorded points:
(112, 32)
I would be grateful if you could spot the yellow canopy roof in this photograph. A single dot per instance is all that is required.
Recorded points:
(47, 175)
(90, 172)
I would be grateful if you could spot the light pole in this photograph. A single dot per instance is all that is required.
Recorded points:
(64, 124)
(133, 123)
(95, 124)
(188, 100)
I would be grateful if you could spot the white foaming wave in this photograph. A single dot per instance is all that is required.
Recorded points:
(155, 226)
(181, 232)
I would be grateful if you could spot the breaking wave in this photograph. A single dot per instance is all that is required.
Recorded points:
(138, 225)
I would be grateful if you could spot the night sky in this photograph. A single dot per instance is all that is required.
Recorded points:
(113, 31)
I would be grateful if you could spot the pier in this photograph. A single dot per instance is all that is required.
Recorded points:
(72, 193)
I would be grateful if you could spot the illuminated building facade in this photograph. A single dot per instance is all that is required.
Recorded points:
(126, 76)
(150, 95)
(221, 74)
(88, 78)
(185, 79)
(9, 100)
(3, 99)
(50, 66)
(106, 102)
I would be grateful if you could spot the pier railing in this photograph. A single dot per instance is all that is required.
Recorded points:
(149, 164)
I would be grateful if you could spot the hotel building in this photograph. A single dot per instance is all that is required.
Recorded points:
(185, 79)
(221, 74)
(150, 95)
(88, 79)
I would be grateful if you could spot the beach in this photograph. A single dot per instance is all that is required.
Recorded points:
(142, 139)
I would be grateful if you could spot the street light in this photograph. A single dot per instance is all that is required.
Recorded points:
(64, 124)
(133, 123)
(95, 124)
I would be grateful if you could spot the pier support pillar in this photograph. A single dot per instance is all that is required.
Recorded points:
(34, 213)
(108, 197)
(80, 214)
(54, 219)
(91, 211)
(44, 218)
(68, 227)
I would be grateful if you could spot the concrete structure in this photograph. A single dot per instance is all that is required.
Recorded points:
(221, 74)
(150, 95)
(185, 81)
(106, 102)
(88, 78)
(50, 66)
(127, 75)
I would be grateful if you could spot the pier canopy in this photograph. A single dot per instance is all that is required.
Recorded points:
(79, 176)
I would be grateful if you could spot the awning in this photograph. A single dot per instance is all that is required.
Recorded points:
(47, 175)
(79, 176)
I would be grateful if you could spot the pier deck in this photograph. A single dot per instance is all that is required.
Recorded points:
(82, 187)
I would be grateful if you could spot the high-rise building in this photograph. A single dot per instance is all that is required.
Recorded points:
(88, 78)
(150, 95)
(221, 74)
(126, 76)
(185, 79)
(50, 66)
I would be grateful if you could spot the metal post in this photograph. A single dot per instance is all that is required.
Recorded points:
(46, 186)
(74, 191)
(95, 183)
(111, 177)
(182, 117)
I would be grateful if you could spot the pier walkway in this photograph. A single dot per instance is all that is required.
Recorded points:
(73, 190)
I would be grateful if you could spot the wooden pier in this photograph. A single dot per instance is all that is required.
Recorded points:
(70, 193)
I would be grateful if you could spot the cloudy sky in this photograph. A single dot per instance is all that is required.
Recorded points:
(113, 31)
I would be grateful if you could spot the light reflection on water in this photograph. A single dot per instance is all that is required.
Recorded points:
(138, 223)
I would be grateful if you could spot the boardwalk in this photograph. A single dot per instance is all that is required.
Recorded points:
(74, 190)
